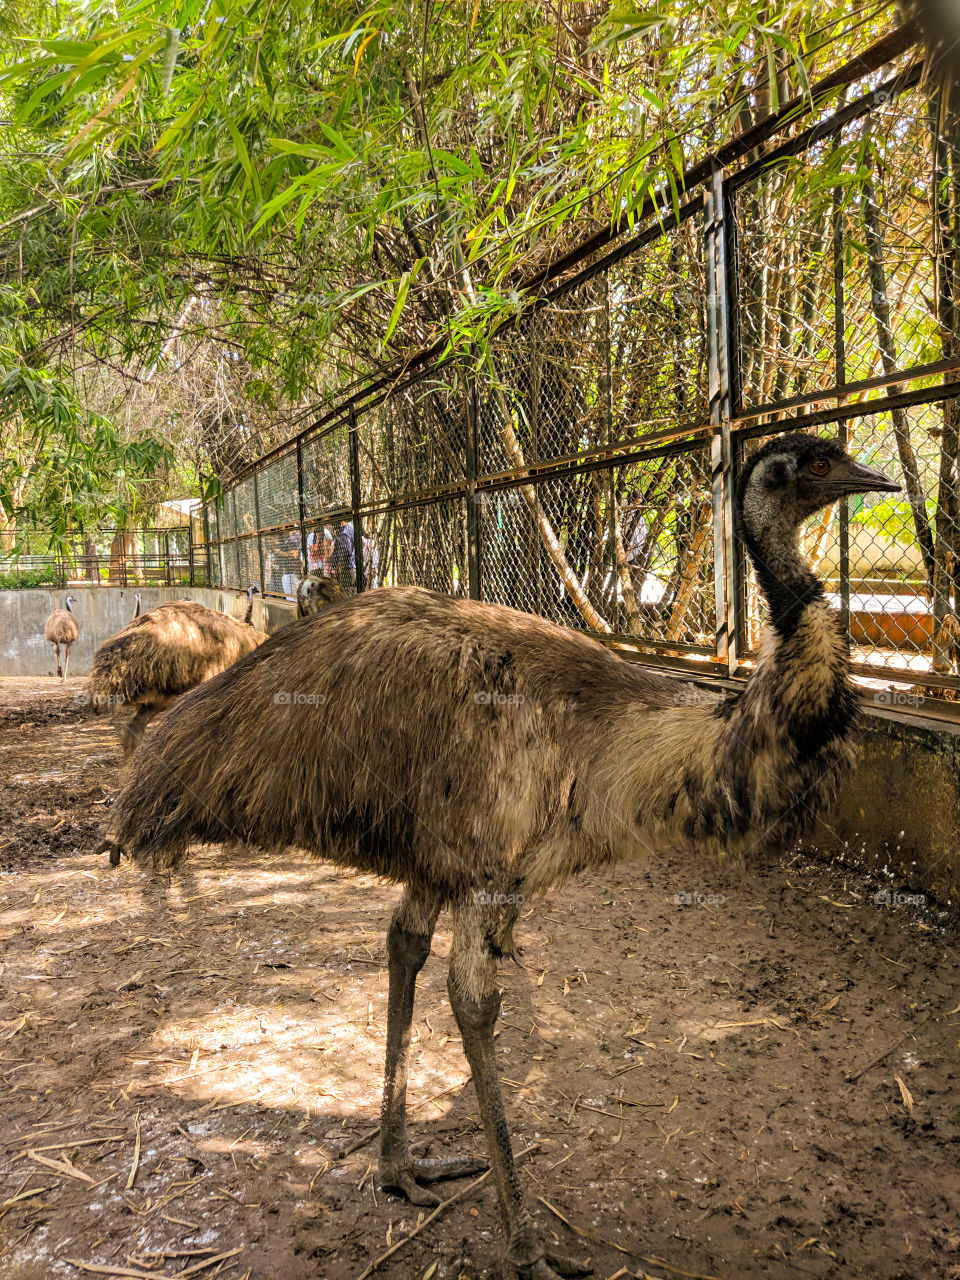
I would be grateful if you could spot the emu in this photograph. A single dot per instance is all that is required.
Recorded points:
(161, 654)
(479, 756)
(315, 592)
(138, 610)
(62, 628)
(247, 618)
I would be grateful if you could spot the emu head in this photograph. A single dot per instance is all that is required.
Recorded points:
(794, 476)
(68, 602)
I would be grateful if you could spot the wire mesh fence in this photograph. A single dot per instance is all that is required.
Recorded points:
(582, 466)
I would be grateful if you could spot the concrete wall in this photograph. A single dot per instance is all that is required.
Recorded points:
(101, 612)
(901, 809)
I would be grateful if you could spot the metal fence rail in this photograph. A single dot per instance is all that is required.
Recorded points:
(106, 557)
(583, 469)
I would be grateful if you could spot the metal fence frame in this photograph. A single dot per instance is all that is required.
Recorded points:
(726, 428)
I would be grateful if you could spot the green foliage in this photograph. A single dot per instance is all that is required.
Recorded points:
(22, 579)
(63, 469)
(353, 182)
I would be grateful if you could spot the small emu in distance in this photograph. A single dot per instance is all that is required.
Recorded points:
(523, 754)
(62, 628)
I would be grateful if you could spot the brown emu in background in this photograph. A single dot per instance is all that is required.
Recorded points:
(479, 756)
(62, 628)
(163, 653)
(315, 592)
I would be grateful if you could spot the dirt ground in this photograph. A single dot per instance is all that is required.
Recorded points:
(720, 1074)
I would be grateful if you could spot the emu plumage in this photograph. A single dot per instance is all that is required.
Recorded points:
(480, 756)
(161, 654)
(62, 628)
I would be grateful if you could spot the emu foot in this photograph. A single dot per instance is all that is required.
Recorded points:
(548, 1267)
(110, 846)
(406, 1179)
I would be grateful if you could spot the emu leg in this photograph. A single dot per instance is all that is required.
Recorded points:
(57, 651)
(131, 735)
(66, 662)
(408, 945)
(476, 1005)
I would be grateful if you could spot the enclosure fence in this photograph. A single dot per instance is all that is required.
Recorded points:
(104, 557)
(583, 467)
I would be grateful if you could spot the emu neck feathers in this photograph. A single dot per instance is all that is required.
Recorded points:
(785, 578)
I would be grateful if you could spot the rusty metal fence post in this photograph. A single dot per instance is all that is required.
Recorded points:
(301, 508)
(256, 509)
(355, 501)
(840, 376)
(718, 249)
(473, 498)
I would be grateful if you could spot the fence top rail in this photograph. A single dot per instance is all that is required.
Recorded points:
(896, 85)
(93, 535)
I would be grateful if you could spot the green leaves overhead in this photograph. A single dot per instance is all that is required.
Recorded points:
(349, 183)
(64, 469)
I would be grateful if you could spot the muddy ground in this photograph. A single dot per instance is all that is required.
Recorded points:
(183, 1065)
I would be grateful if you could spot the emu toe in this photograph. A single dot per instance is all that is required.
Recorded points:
(407, 1181)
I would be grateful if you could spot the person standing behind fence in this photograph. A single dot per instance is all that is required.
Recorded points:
(344, 557)
(291, 565)
(320, 551)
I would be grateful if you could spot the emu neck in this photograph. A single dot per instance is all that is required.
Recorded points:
(785, 579)
(803, 683)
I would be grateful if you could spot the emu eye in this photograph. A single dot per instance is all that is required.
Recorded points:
(820, 466)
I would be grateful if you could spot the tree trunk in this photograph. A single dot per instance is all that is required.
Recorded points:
(689, 568)
(125, 562)
(91, 562)
(888, 354)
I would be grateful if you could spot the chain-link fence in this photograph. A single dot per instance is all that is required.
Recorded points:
(160, 557)
(582, 467)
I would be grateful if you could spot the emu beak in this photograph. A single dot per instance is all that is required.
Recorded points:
(853, 477)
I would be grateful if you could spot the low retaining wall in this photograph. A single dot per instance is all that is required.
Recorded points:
(901, 809)
(101, 613)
